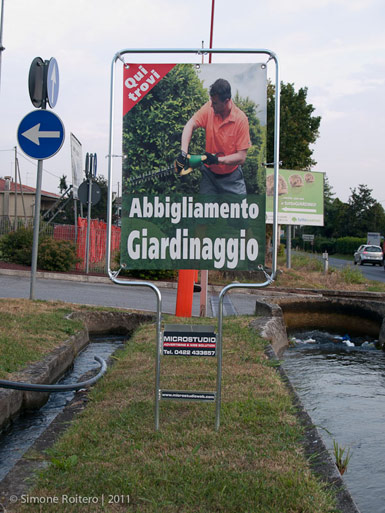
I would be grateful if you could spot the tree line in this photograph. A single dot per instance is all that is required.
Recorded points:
(300, 129)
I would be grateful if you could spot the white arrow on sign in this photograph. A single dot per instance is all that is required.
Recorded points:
(34, 134)
(285, 209)
(53, 80)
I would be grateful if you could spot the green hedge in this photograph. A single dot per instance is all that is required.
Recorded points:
(348, 245)
(343, 245)
(57, 255)
(16, 246)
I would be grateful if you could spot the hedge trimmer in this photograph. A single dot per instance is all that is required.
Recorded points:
(191, 162)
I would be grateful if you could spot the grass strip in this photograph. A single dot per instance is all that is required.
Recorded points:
(255, 463)
(31, 329)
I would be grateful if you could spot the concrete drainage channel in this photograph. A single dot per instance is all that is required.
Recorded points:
(348, 314)
(75, 359)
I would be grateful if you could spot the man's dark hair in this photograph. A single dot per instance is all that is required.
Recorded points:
(221, 88)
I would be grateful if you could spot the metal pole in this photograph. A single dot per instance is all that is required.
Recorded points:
(1, 35)
(88, 222)
(288, 246)
(76, 219)
(211, 28)
(203, 294)
(277, 108)
(36, 227)
(15, 195)
(22, 194)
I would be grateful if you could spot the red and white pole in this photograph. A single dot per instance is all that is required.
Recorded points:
(212, 29)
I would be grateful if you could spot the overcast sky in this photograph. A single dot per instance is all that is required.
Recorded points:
(335, 48)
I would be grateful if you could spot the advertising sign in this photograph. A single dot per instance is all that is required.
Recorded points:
(180, 341)
(300, 197)
(373, 238)
(76, 164)
(203, 207)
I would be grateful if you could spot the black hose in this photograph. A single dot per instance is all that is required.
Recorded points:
(30, 387)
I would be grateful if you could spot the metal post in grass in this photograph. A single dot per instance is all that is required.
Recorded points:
(288, 246)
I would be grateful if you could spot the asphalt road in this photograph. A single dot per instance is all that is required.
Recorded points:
(371, 272)
(105, 294)
(142, 298)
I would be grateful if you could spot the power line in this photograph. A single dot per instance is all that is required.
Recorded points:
(33, 162)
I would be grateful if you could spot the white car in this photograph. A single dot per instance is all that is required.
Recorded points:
(368, 254)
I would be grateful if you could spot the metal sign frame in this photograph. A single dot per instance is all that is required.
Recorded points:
(113, 275)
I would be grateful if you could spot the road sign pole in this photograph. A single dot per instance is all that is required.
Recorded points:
(89, 213)
(88, 226)
(36, 228)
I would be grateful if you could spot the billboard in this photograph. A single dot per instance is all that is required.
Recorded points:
(300, 197)
(76, 164)
(193, 188)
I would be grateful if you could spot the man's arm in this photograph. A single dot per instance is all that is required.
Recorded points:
(188, 130)
(236, 159)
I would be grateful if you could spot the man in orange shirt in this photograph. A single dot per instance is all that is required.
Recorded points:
(227, 142)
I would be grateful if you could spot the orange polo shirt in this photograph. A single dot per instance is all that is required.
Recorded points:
(224, 136)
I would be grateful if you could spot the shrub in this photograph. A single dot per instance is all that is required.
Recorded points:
(56, 255)
(16, 246)
(352, 276)
(348, 245)
(281, 250)
(322, 244)
(305, 263)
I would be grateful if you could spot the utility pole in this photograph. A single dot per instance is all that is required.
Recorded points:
(1, 34)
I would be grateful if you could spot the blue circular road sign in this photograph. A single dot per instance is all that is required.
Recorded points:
(52, 82)
(40, 134)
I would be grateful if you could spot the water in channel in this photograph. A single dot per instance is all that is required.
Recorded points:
(341, 383)
(30, 425)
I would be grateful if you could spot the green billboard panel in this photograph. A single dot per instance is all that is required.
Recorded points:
(193, 232)
(300, 197)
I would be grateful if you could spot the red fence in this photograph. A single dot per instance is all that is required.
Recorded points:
(98, 233)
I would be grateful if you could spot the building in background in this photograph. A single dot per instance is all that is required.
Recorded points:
(18, 201)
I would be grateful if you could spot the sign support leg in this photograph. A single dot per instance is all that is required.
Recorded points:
(203, 295)
(288, 246)
(36, 228)
(88, 226)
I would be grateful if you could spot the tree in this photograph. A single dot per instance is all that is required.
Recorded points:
(298, 127)
(329, 212)
(337, 219)
(63, 184)
(365, 214)
(98, 211)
